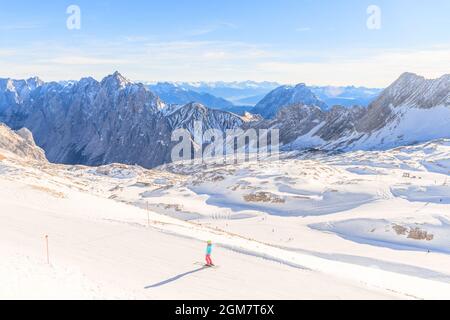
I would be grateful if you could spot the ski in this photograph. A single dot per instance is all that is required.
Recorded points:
(205, 265)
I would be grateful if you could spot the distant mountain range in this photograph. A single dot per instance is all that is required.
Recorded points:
(115, 120)
(245, 93)
(346, 96)
(240, 97)
(220, 96)
(175, 94)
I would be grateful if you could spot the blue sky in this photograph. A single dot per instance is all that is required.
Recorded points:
(289, 41)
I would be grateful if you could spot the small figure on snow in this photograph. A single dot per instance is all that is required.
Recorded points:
(209, 262)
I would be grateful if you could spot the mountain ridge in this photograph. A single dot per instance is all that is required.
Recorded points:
(116, 120)
(411, 110)
(99, 122)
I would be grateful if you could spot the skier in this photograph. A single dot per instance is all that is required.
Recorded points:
(209, 262)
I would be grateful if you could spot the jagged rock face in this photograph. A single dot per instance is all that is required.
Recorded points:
(294, 121)
(15, 92)
(93, 123)
(285, 96)
(186, 116)
(410, 91)
(341, 122)
(411, 110)
(416, 92)
(20, 143)
(303, 126)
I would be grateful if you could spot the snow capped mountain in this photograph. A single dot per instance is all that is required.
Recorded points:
(410, 111)
(115, 81)
(415, 91)
(93, 123)
(116, 120)
(19, 143)
(284, 96)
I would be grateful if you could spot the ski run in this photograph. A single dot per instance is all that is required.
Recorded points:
(363, 225)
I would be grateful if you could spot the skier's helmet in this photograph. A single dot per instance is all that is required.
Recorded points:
(209, 242)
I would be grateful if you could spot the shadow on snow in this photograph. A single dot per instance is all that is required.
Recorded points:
(162, 283)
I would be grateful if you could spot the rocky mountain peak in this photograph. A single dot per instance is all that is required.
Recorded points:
(34, 82)
(300, 86)
(115, 81)
(284, 96)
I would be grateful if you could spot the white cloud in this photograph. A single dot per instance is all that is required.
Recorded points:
(7, 52)
(377, 70)
(215, 55)
(220, 60)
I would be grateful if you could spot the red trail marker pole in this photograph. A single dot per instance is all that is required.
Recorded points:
(46, 247)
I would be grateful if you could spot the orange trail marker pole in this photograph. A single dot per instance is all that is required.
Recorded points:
(46, 246)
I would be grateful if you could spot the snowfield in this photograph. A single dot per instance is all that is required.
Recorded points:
(361, 225)
(102, 249)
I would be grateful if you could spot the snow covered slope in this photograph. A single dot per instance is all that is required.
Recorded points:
(358, 225)
(101, 248)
